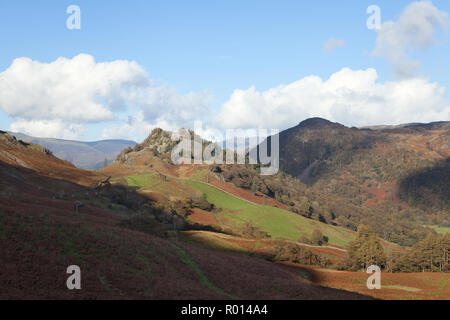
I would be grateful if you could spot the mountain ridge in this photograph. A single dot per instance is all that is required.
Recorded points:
(86, 155)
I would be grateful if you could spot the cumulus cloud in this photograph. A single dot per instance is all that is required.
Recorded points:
(415, 29)
(57, 99)
(77, 89)
(161, 107)
(168, 109)
(351, 97)
(132, 128)
(331, 44)
(48, 129)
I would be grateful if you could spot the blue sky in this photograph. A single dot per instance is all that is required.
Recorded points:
(209, 46)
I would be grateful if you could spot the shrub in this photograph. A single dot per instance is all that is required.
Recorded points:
(317, 238)
(250, 231)
(201, 202)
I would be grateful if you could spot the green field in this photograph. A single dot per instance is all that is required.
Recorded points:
(440, 230)
(142, 180)
(200, 175)
(277, 222)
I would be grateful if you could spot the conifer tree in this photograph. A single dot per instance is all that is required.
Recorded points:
(366, 250)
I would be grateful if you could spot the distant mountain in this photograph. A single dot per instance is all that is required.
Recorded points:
(86, 155)
(430, 126)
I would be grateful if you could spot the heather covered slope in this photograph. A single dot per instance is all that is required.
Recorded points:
(124, 243)
(41, 235)
(117, 263)
(32, 158)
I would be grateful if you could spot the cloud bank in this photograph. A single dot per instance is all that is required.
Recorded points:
(57, 99)
(77, 89)
(351, 97)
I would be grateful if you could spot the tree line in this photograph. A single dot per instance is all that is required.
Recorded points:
(429, 255)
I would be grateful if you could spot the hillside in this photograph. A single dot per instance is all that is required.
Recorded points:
(86, 155)
(51, 217)
(319, 149)
(163, 181)
(25, 158)
(234, 209)
(150, 171)
(172, 232)
(394, 179)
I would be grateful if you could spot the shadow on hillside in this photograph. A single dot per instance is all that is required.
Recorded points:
(24, 185)
(428, 188)
(313, 275)
(142, 214)
(310, 151)
(21, 180)
(307, 273)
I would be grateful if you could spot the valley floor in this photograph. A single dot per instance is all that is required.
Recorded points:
(394, 286)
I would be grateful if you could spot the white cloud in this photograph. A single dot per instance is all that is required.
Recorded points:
(77, 89)
(331, 44)
(133, 128)
(48, 129)
(57, 99)
(170, 110)
(354, 98)
(161, 108)
(415, 29)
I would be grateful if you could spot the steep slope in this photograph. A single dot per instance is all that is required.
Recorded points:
(394, 179)
(428, 188)
(316, 146)
(51, 218)
(151, 172)
(30, 158)
(86, 155)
